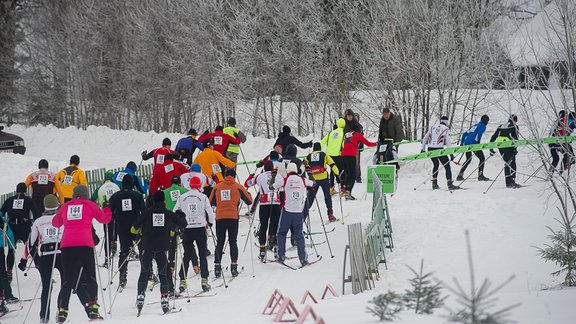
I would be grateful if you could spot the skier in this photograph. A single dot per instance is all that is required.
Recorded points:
(508, 132)
(234, 149)
(360, 149)
(48, 238)
(8, 240)
(564, 126)
(351, 140)
(20, 211)
(317, 164)
(294, 187)
(156, 224)
(42, 183)
(290, 156)
(285, 138)
(278, 166)
(159, 154)
(199, 214)
(473, 136)
(349, 118)
(196, 171)
(77, 250)
(70, 177)
(333, 147)
(270, 206)
(210, 161)
(186, 146)
(130, 170)
(225, 197)
(219, 139)
(437, 138)
(126, 206)
(162, 173)
(101, 196)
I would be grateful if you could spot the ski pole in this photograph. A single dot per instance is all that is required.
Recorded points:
(431, 176)
(32, 256)
(134, 244)
(249, 231)
(471, 173)
(175, 267)
(109, 261)
(100, 283)
(309, 227)
(213, 239)
(534, 173)
(493, 181)
(33, 300)
(251, 254)
(244, 159)
(78, 280)
(183, 269)
(324, 227)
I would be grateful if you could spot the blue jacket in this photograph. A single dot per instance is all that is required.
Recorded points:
(8, 235)
(473, 135)
(138, 185)
(186, 147)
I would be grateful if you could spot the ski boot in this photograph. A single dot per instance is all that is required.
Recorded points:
(304, 263)
(196, 269)
(183, 286)
(123, 280)
(349, 196)
(205, 284)
(262, 254)
(92, 311)
(331, 218)
(460, 177)
(3, 308)
(451, 186)
(164, 304)
(481, 177)
(234, 269)
(217, 270)
(62, 315)
(11, 299)
(512, 185)
(140, 301)
(280, 259)
(435, 184)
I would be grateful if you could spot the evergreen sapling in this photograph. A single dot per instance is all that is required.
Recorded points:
(386, 306)
(425, 295)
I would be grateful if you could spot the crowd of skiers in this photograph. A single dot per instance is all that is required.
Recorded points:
(177, 206)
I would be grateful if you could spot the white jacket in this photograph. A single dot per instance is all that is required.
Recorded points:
(197, 208)
(185, 179)
(263, 181)
(437, 137)
(43, 232)
(295, 192)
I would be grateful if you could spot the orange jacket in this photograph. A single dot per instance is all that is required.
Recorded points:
(43, 182)
(226, 197)
(70, 177)
(210, 161)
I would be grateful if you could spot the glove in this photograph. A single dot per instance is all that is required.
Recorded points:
(210, 225)
(309, 144)
(492, 152)
(143, 154)
(22, 264)
(259, 164)
(206, 132)
(451, 157)
(135, 231)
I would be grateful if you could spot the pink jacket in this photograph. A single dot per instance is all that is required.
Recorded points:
(76, 216)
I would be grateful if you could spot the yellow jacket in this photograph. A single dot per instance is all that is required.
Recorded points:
(317, 164)
(70, 177)
(210, 161)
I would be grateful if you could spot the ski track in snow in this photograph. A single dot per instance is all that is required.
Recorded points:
(504, 226)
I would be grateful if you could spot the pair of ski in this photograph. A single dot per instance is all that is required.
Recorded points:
(11, 311)
(300, 267)
(171, 311)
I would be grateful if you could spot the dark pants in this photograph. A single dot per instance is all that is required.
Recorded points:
(565, 150)
(146, 270)
(126, 244)
(436, 162)
(291, 220)
(338, 162)
(349, 175)
(479, 155)
(190, 255)
(21, 233)
(5, 289)
(110, 240)
(269, 217)
(44, 264)
(74, 259)
(223, 226)
(198, 236)
(509, 157)
(358, 172)
(325, 184)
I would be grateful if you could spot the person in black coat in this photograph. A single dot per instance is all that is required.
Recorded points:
(285, 138)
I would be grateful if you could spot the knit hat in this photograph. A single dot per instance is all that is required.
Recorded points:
(207, 142)
(51, 202)
(286, 129)
(176, 180)
(21, 187)
(268, 165)
(127, 182)
(232, 121)
(195, 183)
(109, 175)
(316, 147)
(80, 191)
(292, 168)
(219, 128)
(159, 196)
(43, 164)
(274, 156)
(166, 142)
(132, 166)
(485, 119)
(231, 173)
(444, 120)
(192, 131)
(75, 159)
(196, 167)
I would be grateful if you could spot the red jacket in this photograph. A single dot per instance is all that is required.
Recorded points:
(220, 140)
(159, 154)
(351, 140)
(162, 174)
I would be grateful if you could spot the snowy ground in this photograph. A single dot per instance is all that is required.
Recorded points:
(504, 226)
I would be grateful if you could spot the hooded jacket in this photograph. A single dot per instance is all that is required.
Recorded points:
(186, 147)
(130, 170)
(289, 156)
(335, 139)
(285, 138)
(226, 197)
(5, 228)
(391, 128)
(210, 161)
(70, 177)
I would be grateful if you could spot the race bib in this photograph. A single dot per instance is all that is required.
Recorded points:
(296, 195)
(126, 205)
(225, 195)
(193, 208)
(50, 235)
(314, 157)
(120, 176)
(174, 195)
(382, 148)
(184, 160)
(169, 168)
(216, 168)
(217, 140)
(75, 212)
(350, 134)
(160, 159)
(158, 220)
(109, 193)
(43, 179)
(68, 180)
(18, 204)
(335, 135)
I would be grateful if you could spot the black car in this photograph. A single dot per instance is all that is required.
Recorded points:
(11, 143)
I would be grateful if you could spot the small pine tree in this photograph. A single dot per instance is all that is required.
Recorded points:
(386, 306)
(562, 251)
(424, 296)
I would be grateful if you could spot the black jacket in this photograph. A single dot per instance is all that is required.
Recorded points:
(126, 205)
(285, 139)
(289, 156)
(19, 209)
(156, 223)
(508, 129)
(391, 128)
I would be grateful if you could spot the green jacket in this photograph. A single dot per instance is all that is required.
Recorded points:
(172, 194)
(333, 141)
(233, 131)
